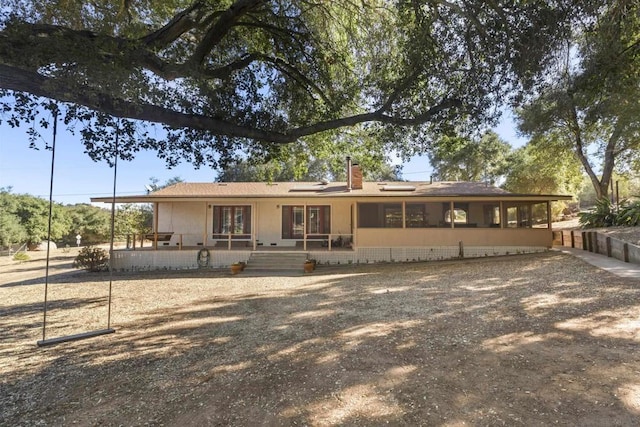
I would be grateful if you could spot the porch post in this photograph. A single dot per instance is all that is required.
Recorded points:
(304, 226)
(452, 214)
(503, 215)
(206, 218)
(404, 214)
(548, 214)
(354, 222)
(254, 225)
(155, 225)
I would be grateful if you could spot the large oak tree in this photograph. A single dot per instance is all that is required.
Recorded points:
(592, 104)
(465, 159)
(225, 78)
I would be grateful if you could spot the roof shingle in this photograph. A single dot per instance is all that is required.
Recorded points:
(262, 189)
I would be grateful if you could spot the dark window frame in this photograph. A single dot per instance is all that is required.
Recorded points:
(287, 222)
(218, 212)
(378, 215)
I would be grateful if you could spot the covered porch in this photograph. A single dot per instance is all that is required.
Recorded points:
(335, 224)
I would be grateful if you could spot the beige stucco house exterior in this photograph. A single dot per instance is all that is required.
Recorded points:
(337, 222)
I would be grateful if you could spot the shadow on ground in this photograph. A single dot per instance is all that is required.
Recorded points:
(527, 340)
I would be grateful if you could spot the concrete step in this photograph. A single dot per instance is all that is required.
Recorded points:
(261, 261)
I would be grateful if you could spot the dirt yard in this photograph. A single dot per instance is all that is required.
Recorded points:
(522, 340)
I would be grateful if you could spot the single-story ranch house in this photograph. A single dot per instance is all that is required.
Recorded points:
(337, 222)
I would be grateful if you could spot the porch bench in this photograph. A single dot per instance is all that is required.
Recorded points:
(313, 243)
(234, 244)
(163, 236)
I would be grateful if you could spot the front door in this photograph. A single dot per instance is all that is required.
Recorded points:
(317, 226)
(297, 222)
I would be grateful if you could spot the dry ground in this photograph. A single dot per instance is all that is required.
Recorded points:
(523, 340)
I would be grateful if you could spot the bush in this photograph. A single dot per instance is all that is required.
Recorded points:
(21, 256)
(604, 214)
(92, 259)
(629, 214)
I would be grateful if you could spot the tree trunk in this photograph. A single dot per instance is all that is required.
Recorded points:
(601, 186)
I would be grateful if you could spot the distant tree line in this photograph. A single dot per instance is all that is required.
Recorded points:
(25, 219)
(542, 166)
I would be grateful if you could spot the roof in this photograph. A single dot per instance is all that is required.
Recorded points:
(209, 190)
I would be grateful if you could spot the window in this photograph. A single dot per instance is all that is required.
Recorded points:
(491, 214)
(527, 215)
(416, 215)
(459, 216)
(459, 213)
(380, 215)
(318, 222)
(393, 215)
(234, 220)
(315, 220)
(539, 215)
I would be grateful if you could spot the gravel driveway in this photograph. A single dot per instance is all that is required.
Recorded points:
(520, 340)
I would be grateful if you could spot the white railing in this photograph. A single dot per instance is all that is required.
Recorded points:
(159, 240)
(170, 239)
(333, 240)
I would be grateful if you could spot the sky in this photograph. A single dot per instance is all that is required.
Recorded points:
(77, 178)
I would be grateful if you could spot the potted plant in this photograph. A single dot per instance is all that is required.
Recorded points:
(309, 265)
(236, 268)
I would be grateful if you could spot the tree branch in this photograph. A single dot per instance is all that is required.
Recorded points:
(179, 24)
(294, 73)
(17, 79)
(219, 30)
(35, 84)
(398, 90)
(376, 116)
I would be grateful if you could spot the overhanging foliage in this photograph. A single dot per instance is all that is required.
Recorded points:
(223, 77)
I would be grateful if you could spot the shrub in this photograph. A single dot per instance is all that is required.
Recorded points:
(92, 259)
(602, 215)
(21, 256)
(629, 214)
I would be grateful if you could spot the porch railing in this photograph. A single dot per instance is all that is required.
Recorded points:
(229, 241)
(337, 240)
(168, 239)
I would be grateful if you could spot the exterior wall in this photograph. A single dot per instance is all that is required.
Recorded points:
(194, 220)
(436, 253)
(192, 223)
(341, 222)
(149, 260)
(269, 219)
(435, 237)
(188, 219)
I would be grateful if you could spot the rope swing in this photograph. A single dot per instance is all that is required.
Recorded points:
(108, 329)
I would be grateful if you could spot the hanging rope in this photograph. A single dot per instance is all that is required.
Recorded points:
(113, 219)
(46, 273)
(89, 334)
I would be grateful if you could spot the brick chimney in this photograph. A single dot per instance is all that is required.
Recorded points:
(356, 177)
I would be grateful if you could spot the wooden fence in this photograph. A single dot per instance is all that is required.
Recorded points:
(598, 243)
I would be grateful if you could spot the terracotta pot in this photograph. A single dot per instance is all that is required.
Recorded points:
(309, 266)
(236, 268)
